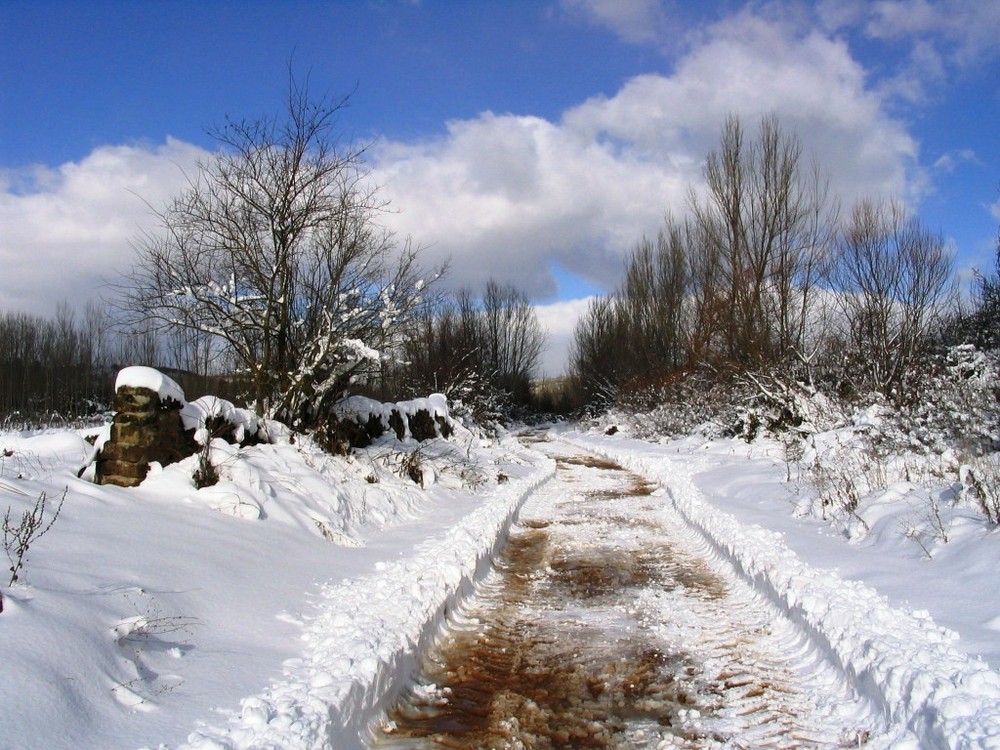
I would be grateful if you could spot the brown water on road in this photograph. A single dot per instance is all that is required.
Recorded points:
(562, 646)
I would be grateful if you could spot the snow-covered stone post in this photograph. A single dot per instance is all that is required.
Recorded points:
(147, 427)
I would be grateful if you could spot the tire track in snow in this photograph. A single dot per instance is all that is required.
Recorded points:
(924, 691)
(605, 624)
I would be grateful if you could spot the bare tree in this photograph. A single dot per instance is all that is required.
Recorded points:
(275, 251)
(767, 222)
(893, 280)
(981, 324)
(595, 354)
(650, 303)
(443, 355)
(483, 351)
(512, 338)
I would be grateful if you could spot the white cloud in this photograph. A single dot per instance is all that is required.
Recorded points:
(634, 21)
(559, 319)
(67, 230)
(950, 161)
(505, 196)
(835, 15)
(964, 31)
(509, 196)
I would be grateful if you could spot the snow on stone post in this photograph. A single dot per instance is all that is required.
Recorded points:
(147, 427)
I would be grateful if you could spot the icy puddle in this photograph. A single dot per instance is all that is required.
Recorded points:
(605, 625)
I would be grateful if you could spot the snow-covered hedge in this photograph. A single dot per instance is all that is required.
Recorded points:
(357, 421)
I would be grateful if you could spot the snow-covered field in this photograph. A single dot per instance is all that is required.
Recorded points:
(283, 606)
(148, 615)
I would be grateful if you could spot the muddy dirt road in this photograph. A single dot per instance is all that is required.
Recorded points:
(606, 623)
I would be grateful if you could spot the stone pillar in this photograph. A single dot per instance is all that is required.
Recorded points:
(145, 429)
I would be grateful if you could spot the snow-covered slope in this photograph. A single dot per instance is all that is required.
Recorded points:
(283, 606)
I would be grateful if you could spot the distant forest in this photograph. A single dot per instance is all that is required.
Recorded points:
(63, 368)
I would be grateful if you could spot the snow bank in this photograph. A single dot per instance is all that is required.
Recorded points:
(364, 640)
(930, 694)
(198, 414)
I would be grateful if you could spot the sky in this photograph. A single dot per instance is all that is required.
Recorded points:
(533, 142)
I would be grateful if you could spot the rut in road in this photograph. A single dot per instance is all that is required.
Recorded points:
(605, 624)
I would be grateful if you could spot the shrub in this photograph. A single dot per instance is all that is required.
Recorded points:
(17, 539)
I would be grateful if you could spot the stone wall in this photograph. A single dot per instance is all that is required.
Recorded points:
(145, 429)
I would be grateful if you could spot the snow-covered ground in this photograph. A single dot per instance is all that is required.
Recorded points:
(914, 635)
(283, 606)
(608, 623)
(146, 616)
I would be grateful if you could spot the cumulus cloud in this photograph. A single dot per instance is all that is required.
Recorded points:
(67, 230)
(505, 196)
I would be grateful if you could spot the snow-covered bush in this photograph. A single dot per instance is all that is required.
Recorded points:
(746, 406)
(981, 484)
(679, 405)
(212, 417)
(357, 421)
(955, 405)
(841, 477)
(780, 406)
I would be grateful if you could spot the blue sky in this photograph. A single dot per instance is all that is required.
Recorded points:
(534, 142)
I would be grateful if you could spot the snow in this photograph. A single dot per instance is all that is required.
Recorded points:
(149, 615)
(283, 606)
(197, 414)
(362, 408)
(151, 379)
(931, 690)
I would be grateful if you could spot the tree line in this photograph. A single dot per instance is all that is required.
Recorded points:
(60, 365)
(272, 280)
(481, 350)
(765, 274)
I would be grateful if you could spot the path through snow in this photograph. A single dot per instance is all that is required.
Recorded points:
(606, 623)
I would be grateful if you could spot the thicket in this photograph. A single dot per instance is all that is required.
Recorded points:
(765, 285)
(481, 351)
(55, 366)
(62, 369)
